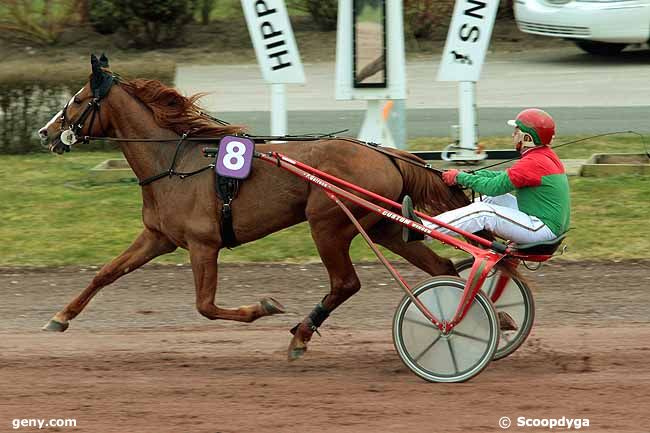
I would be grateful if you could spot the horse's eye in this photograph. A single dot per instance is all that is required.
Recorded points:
(77, 101)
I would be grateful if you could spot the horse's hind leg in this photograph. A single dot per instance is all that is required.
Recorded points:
(389, 235)
(333, 247)
(204, 267)
(148, 245)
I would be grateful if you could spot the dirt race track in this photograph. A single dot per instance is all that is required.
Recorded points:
(141, 359)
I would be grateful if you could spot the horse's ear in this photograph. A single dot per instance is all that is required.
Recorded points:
(94, 63)
(103, 61)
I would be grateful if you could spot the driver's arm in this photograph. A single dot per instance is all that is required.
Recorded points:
(488, 173)
(492, 185)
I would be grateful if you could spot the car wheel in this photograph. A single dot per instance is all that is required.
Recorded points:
(600, 48)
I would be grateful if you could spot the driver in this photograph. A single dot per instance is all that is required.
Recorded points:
(540, 209)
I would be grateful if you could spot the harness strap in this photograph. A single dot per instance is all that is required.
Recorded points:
(227, 189)
(77, 126)
(152, 179)
(180, 174)
(192, 173)
(178, 149)
(172, 168)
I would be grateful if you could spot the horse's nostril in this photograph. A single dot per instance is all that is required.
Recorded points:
(43, 133)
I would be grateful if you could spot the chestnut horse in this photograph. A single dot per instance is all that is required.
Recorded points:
(186, 213)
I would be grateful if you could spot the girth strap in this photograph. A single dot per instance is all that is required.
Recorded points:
(227, 188)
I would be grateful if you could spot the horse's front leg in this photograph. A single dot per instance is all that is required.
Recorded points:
(148, 245)
(204, 266)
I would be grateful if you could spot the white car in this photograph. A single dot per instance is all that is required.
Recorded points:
(603, 27)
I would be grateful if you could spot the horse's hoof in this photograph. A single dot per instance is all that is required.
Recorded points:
(296, 350)
(296, 353)
(55, 326)
(271, 306)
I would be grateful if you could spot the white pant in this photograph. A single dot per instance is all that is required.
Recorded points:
(499, 215)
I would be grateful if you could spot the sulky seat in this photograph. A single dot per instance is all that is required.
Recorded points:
(539, 248)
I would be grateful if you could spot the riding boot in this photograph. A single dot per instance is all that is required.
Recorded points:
(408, 212)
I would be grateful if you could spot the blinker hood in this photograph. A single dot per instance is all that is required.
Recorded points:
(100, 80)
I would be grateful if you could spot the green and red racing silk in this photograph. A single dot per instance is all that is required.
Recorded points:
(540, 182)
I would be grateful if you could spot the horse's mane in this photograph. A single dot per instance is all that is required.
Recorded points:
(176, 112)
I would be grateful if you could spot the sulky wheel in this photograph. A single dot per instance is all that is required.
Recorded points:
(516, 302)
(461, 354)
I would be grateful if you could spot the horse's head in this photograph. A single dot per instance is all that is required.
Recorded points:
(82, 115)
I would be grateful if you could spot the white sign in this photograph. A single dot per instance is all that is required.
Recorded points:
(275, 45)
(396, 68)
(467, 40)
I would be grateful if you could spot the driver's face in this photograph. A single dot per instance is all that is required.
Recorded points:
(517, 139)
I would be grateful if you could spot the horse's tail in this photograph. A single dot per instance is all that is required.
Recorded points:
(426, 188)
(514, 274)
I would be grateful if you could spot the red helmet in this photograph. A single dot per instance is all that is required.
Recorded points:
(537, 123)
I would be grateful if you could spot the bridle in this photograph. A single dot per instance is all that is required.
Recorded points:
(71, 134)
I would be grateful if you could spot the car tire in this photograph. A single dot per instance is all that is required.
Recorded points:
(600, 48)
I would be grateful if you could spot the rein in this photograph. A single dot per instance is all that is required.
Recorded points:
(645, 145)
(171, 172)
(101, 84)
(376, 147)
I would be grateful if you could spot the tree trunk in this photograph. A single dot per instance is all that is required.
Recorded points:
(47, 10)
(505, 9)
(206, 8)
(83, 8)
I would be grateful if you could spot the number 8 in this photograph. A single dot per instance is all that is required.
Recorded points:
(234, 157)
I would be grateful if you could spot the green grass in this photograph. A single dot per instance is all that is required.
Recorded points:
(225, 9)
(52, 215)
